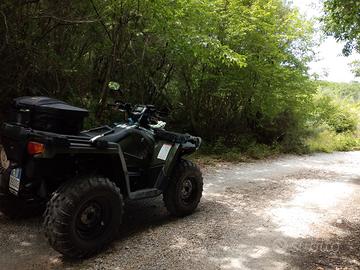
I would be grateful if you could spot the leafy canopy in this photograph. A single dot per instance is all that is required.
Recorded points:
(342, 19)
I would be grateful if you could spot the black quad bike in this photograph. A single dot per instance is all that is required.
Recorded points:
(84, 177)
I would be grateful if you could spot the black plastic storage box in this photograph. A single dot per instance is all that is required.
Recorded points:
(47, 114)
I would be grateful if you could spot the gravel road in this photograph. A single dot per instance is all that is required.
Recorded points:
(289, 213)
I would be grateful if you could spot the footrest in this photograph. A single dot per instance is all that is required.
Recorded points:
(145, 193)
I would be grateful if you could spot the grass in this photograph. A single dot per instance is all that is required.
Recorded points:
(326, 141)
(209, 155)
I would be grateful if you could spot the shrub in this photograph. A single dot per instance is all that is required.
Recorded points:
(329, 141)
(339, 115)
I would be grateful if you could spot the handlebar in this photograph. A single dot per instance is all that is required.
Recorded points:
(121, 106)
(141, 114)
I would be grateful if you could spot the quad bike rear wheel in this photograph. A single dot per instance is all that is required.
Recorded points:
(184, 191)
(83, 216)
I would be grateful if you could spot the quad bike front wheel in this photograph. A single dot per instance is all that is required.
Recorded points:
(83, 216)
(184, 191)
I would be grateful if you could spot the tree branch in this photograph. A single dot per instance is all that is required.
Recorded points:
(101, 21)
(65, 20)
(32, 1)
(6, 27)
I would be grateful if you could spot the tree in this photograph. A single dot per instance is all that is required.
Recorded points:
(342, 19)
(227, 68)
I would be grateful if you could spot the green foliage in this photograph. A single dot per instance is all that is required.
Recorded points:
(345, 91)
(342, 20)
(248, 151)
(245, 99)
(337, 105)
(329, 141)
(339, 115)
(231, 69)
(335, 121)
(355, 68)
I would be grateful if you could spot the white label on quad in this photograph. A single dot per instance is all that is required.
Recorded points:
(164, 151)
(14, 183)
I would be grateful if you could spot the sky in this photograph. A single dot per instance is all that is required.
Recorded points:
(329, 56)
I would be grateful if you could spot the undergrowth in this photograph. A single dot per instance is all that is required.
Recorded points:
(329, 141)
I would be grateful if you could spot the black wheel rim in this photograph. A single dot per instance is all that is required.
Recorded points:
(188, 190)
(93, 219)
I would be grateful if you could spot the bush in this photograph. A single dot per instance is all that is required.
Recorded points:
(260, 151)
(335, 121)
(329, 141)
(340, 115)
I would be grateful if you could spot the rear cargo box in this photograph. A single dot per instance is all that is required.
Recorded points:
(47, 114)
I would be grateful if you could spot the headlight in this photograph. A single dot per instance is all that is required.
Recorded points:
(5, 163)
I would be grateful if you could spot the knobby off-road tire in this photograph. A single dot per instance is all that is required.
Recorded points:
(184, 191)
(83, 216)
(14, 208)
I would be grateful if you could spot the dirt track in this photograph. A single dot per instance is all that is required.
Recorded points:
(289, 213)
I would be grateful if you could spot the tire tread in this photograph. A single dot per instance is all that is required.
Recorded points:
(169, 195)
(58, 210)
